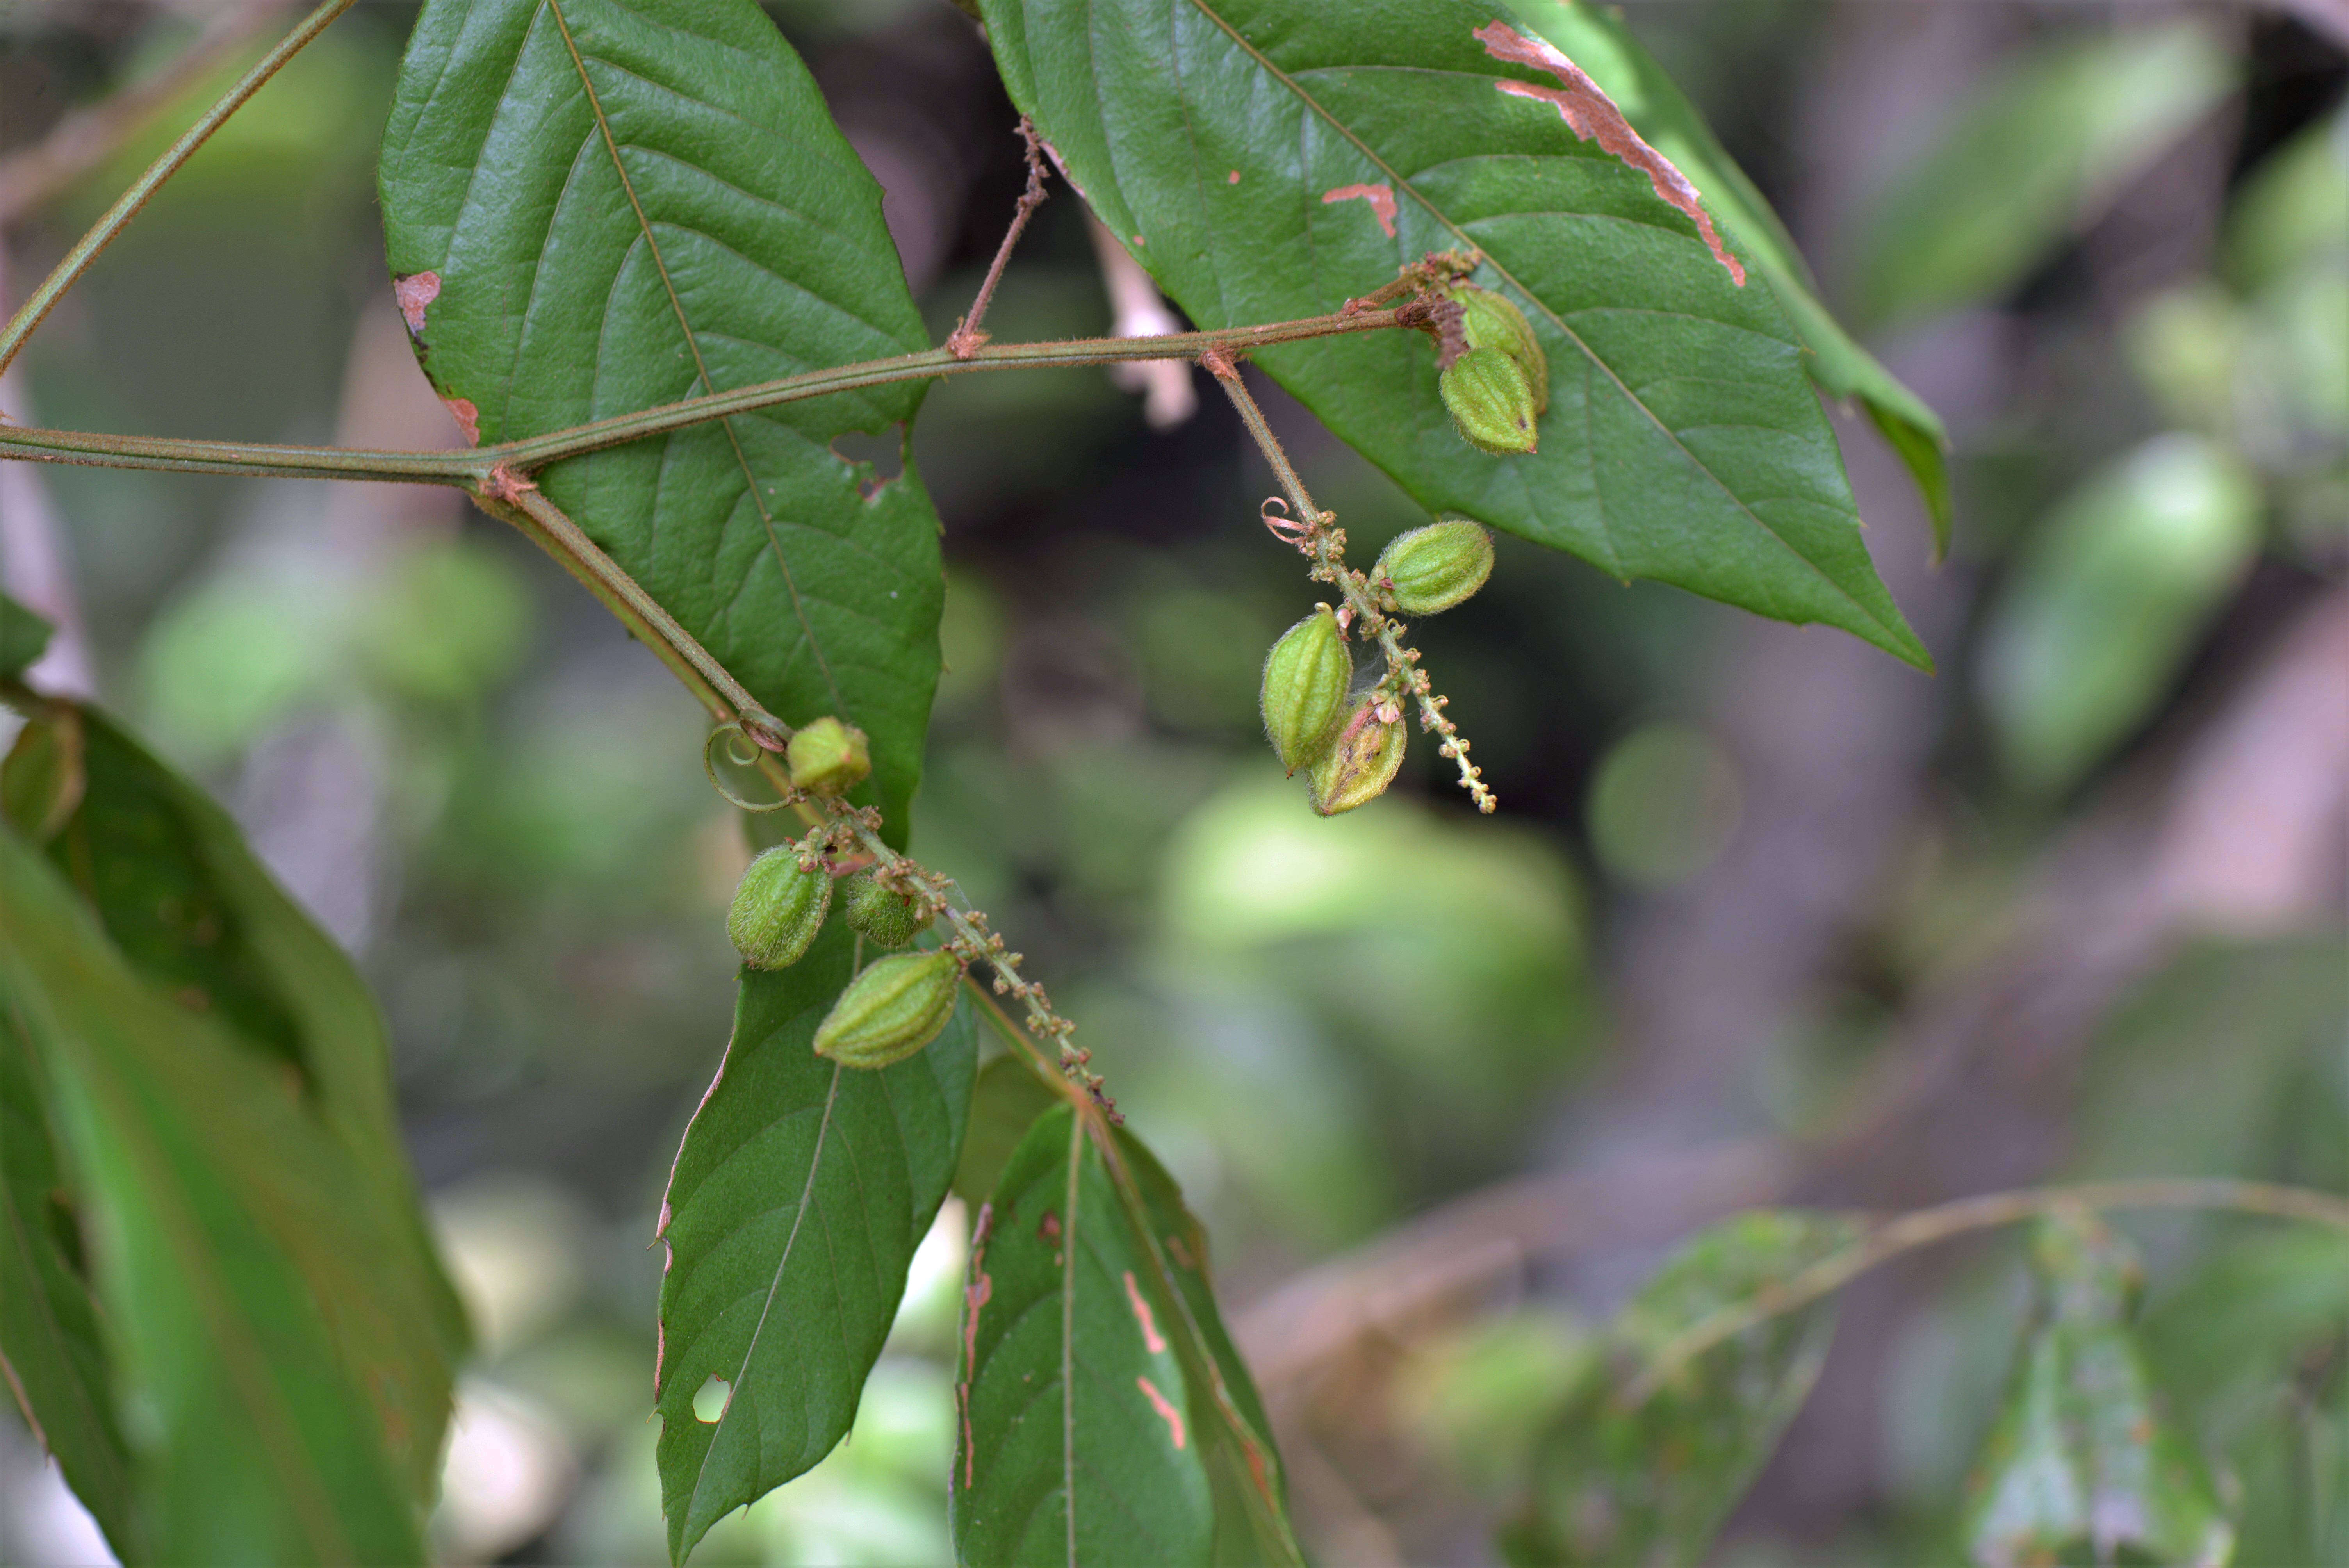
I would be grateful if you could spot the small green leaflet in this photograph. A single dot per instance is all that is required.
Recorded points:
(23, 637)
(1268, 159)
(1597, 40)
(272, 1323)
(1600, 1495)
(2081, 1455)
(594, 208)
(798, 1197)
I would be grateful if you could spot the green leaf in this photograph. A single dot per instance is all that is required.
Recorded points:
(50, 1345)
(2081, 1456)
(2031, 157)
(169, 876)
(268, 1318)
(1652, 1484)
(799, 1195)
(23, 637)
(1009, 1099)
(592, 209)
(1269, 159)
(1599, 42)
(1079, 1439)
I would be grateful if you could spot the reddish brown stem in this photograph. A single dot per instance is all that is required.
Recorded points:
(964, 341)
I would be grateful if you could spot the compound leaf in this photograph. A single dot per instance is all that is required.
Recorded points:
(1266, 160)
(799, 1195)
(594, 208)
(1652, 1484)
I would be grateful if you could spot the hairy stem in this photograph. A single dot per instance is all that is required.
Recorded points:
(472, 468)
(101, 235)
(1926, 1226)
(966, 336)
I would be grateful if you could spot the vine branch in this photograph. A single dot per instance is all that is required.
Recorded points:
(966, 338)
(1926, 1226)
(101, 235)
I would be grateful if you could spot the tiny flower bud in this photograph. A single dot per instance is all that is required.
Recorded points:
(881, 913)
(1361, 764)
(828, 758)
(1491, 401)
(1488, 320)
(891, 1010)
(778, 909)
(1305, 681)
(1433, 568)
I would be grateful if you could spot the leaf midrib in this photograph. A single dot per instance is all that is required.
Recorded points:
(1436, 212)
(693, 344)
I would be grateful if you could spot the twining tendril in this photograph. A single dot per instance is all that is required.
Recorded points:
(737, 740)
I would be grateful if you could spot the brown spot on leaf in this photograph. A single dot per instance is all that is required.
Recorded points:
(469, 418)
(1232, 178)
(1168, 1413)
(1048, 1230)
(1590, 113)
(414, 292)
(1380, 197)
(1151, 1339)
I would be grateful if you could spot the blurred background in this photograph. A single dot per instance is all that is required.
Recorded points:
(1765, 917)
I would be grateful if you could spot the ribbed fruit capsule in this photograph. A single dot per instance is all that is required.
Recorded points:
(1488, 320)
(881, 913)
(1361, 764)
(827, 757)
(778, 909)
(1305, 680)
(891, 1010)
(1491, 401)
(1433, 568)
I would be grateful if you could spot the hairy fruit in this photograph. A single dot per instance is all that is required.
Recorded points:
(1433, 568)
(779, 906)
(828, 758)
(891, 1010)
(1487, 320)
(882, 914)
(1361, 764)
(1490, 401)
(1305, 681)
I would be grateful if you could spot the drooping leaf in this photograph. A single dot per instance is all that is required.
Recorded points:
(799, 1195)
(2082, 1455)
(2107, 602)
(594, 208)
(1079, 1439)
(1652, 1484)
(272, 1324)
(50, 1345)
(170, 878)
(1597, 40)
(1266, 160)
(23, 637)
(2034, 155)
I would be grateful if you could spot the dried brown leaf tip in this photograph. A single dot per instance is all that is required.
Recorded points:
(1380, 197)
(1590, 113)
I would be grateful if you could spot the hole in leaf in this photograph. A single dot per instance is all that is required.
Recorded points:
(880, 454)
(709, 1402)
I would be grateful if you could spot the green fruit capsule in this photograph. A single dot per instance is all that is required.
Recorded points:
(1433, 568)
(778, 909)
(828, 758)
(881, 913)
(1491, 401)
(891, 1010)
(1305, 680)
(1488, 320)
(1361, 764)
